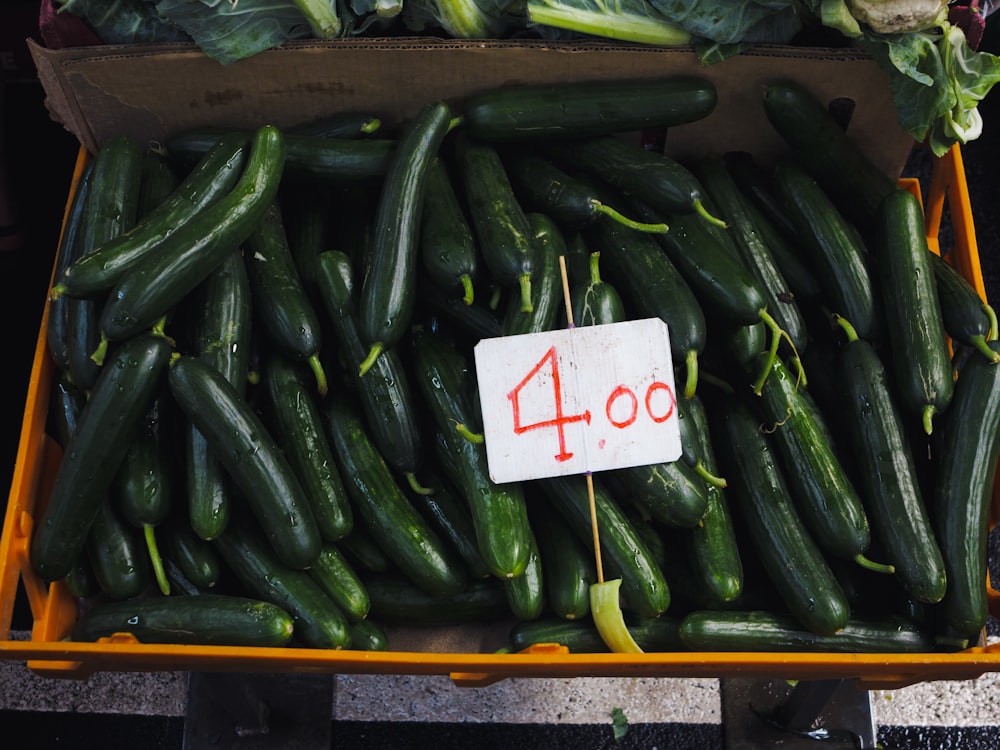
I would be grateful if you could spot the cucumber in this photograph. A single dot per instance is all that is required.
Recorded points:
(967, 317)
(887, 474)
(396, 601)
(596, 301)
(779, 538)
(208, 619)
(644, 587)
(367, 636)
(567, 564)
(221, 331)
(112, 208)
(281, 305)
(545, 188)
(911, 307)
(500, 226)
(363, 552)
(651, 286)
(387, 296)
(214, 175)
(670, 492)
(119, 399)
(147, 292)
(755, 630)
(196, 558)
(384, 391)
(663, 183)
(309, 227)
(319, 623)
(653, 634)
(738, 213)
(831, 246)
(825, 495)
(262, 475)
(387, 514)
(827, 151)
(298, 427)
(117, 554)
(309, 158)
(967, 463)
(526, 592)
(546, 288)
(159, 179)
(448, 252)
(527, 112)
(337, 577)
(349, 124)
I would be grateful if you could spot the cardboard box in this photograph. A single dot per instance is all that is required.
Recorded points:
(151, 92)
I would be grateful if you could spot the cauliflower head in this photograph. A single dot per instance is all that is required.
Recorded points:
(899, 16)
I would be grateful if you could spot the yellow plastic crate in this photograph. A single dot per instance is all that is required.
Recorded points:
(54, 610)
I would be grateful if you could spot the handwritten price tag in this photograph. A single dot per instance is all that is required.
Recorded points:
(578, 400)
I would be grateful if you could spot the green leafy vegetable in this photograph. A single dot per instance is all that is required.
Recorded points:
(124, 21)
(460, 19)
(619, 722)
(624, 20)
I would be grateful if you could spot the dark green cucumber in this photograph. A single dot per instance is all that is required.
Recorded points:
(736, 210)
(309, 226)
(450, 514)
(112, 208)
(911, 307)
(546, 288)
(367, 636)
(715, 554)
(298, 427)
(568, 565)
(596, 302)
(503, 233)
(159, 179)
(319, 622)
(281, 304)
(653, 634)
(333, 161)
(828, 152)
(967, 464)
(671, 492)
(214, 175)
(238, 437)
(652, 286)
(544, 187)
(384, 390)
(830, 245)
(221, 332)
(70, 249)
(66, 402)
(887, 475)
(361, 549)
(825, 495)
(441, 308)
(118, 555)
(445, 378)
(381, 505)
(448, 253)
(208, 619)
(396, 601)
(387, 296)
(968, 318)
(148, 291)
(526, 112)
(755, 630)
(625, 554)
(118, 401)
(663, 183)
(526, 592)
(779, 538)
(337, 577)
(195, 557)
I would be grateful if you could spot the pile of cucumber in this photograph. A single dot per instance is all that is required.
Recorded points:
(268, 407)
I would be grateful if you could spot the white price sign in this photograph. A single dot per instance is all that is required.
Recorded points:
(578, 400)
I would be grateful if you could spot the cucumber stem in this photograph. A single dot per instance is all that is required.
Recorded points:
(371, 126)
(57, 291)
(992, 315)
(373, 354)
(472, 437)
(703, 212)
(317, 367)
(640, 226)
(772, 353)
(849, 330)
(979, 344)
(415, 485)
(691, 365)
(708, 476)
(468, 294)
(154, 557)
(495, 298)
(864, 562)
(101, 351)
(927, 417)
(525, 282)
